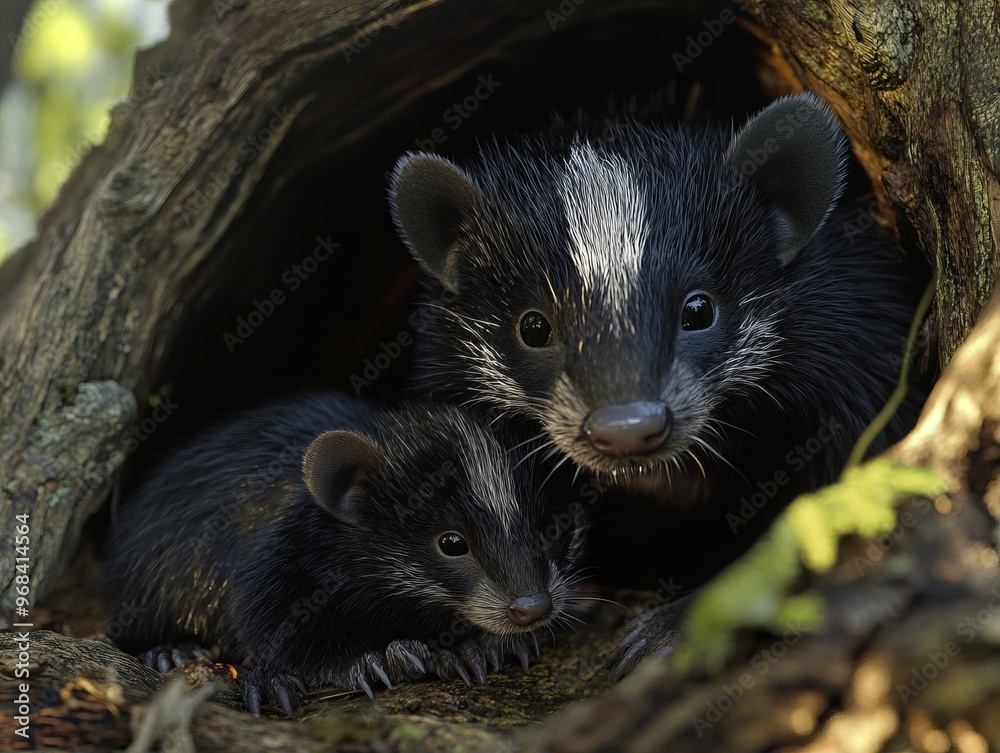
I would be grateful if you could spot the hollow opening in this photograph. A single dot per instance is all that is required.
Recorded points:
(282, 311)
(313, 288)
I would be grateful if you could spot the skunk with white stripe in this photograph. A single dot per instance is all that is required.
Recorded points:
(680, 310)
(319, 541)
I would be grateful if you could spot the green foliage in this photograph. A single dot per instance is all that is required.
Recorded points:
(885, 415)
(72, 62)
(754, 592)
(76, 67)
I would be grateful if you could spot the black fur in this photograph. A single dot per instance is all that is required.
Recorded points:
(225, 545)
(805, 350)
(822, 334)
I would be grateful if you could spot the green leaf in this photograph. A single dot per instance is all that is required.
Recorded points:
(754, 592)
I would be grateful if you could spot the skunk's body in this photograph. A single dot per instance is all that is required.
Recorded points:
(685, 313)
(338, 559)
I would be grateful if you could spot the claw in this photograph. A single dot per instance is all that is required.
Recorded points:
(363, 685)
(478, 669)
(300, 686)
(416, 662)
(625, 664)
(534, 641)
(493, 654)
(163, 664)
(522, 653)
(284, 700)
(251, 697)
(463, 673)
(377, 669)
(630, 638)
(663, 653)
(182, 656)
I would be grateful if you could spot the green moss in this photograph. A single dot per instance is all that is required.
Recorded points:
(67, 392)
(336, 728)
(407, 732)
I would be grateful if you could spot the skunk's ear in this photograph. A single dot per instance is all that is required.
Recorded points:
(795, 151)
(430, 197)
(334, 467)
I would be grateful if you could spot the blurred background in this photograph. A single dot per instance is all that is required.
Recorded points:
(63, 64)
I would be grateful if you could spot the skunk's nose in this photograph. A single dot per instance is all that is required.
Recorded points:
(629, 429)
(527, 609)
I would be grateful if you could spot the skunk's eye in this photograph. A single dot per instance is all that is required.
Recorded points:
(535, 330)
(698, 312)
(452, 544)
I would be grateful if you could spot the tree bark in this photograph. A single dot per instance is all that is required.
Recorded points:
(245, 145)
(916, 86)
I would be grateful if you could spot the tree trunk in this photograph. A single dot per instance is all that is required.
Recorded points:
(916, 86)
(181, 271)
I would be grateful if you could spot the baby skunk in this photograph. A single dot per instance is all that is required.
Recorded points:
(320, 541)
(684, 313)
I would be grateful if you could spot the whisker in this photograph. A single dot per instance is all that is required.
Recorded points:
(697, 462)
(554, 469)
(530, 454)
(536, 438)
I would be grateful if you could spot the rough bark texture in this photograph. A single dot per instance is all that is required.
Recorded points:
(916, 84)
(250, 134)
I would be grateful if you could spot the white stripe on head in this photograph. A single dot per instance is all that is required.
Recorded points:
(489, 475)
(606, 216)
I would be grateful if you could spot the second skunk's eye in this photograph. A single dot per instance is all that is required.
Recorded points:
(535, 330)
(698, 312)
(452, 544)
